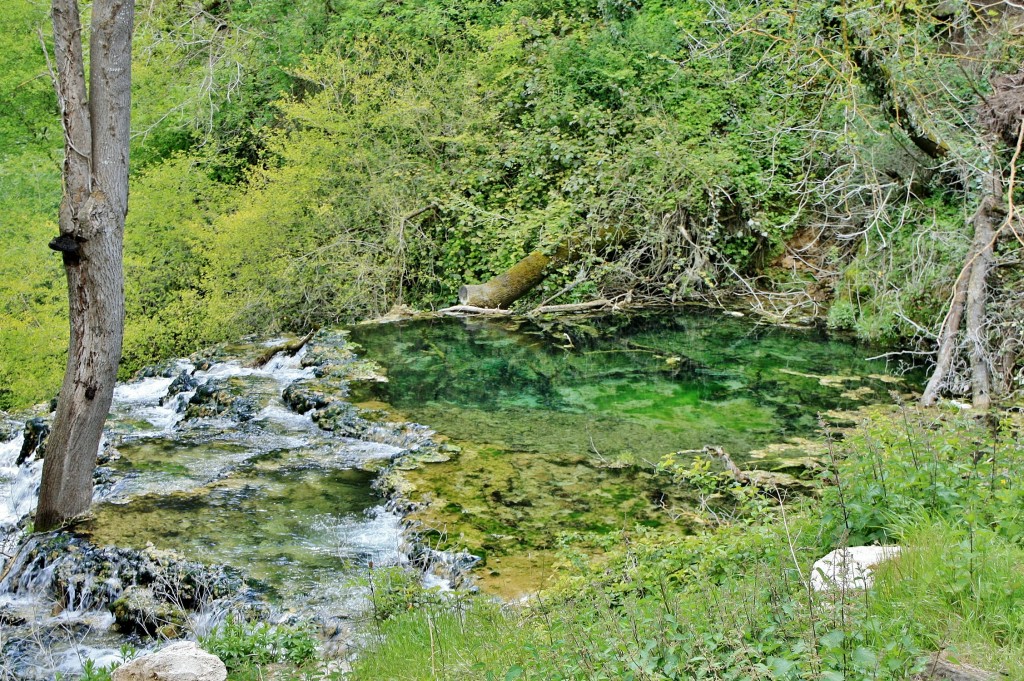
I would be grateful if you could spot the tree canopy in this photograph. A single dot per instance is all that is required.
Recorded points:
(826, 158)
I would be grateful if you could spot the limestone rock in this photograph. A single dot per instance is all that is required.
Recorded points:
(177, 662)
(849, 568)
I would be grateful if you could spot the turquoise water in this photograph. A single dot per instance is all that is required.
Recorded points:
(645, 385)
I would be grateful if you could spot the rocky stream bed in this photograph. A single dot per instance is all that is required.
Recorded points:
(269, 491)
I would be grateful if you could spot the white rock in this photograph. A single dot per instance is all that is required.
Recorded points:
(849, 568)
(177, 662)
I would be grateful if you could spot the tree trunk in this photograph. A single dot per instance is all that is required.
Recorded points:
(91, 233)
(977, 294)
(511, 285)
(947, 338)
(508, 287)
(970, 295)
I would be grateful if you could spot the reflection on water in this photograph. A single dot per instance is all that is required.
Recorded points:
(647, 385)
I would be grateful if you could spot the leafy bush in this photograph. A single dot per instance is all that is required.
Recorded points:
(949, 465)
(242, 645)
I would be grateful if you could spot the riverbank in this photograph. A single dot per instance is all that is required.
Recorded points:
(718, 537)
(734, 601)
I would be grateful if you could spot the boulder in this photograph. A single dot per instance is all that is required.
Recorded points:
(849, 568)
(177, 662)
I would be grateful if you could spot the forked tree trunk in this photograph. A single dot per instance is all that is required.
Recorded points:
(970, 294)
(91, 226)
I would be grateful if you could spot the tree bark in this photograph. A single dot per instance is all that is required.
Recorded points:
(508, 287)
(91, 227)
(970, 295)
(977, 295)
(947, 339)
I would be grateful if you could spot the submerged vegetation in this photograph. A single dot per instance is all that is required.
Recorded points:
(300, 164)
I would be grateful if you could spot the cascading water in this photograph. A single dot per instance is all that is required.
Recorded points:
(209, 462)
(545, 434)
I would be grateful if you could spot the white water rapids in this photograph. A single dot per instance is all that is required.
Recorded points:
(39, 639)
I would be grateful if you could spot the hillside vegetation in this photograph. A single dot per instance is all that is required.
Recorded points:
(312, 162)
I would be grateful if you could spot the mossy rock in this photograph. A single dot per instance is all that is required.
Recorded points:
(234, 396)
(139, 611)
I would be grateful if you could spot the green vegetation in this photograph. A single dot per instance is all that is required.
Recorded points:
(251, 652)
(303, 163)
(255, 651)
(733, 602)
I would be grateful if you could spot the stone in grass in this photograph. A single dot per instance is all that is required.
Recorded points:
(182, 661)
(849, 568)
(939, 669)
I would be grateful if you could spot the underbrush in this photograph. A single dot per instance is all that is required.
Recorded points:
(250, 652)
(734, 601)
(261, 651)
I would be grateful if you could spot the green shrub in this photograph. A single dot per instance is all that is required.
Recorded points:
(241, 645)
(949, 464)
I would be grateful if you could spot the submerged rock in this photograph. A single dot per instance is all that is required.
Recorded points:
(183, 661)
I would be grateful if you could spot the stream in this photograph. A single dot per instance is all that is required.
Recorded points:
(297, 477)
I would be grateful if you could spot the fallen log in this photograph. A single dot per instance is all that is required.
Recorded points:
(458, 310)
(508, 287)
(572, 307)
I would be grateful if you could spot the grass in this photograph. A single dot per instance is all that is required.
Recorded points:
(732, 602)
(959, 591)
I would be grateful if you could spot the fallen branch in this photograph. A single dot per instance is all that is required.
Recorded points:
(571, 307)
(458, 310)
(741, 476)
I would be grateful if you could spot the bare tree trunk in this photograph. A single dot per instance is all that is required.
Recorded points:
(947, 337)
(977, 294)
(970, 295)
(91, 233)
(509, 286)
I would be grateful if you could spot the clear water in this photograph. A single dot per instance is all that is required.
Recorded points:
(550, 427)
(274, 496)
(556, 427)
(646, 386)
(289, 505)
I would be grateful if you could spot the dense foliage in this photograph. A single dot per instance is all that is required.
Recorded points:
(302, 163)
